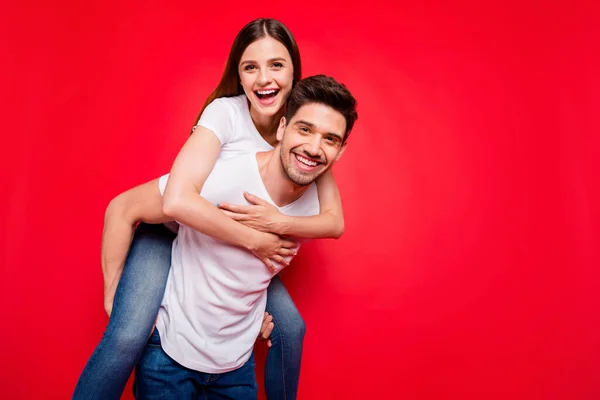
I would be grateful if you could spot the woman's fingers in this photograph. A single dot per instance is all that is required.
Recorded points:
(235, 216)
(236, 208)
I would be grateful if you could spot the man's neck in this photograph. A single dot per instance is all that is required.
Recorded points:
(281, 189)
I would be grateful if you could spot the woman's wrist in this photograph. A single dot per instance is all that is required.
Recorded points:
(283, 226)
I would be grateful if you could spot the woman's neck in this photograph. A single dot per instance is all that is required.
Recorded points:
(266, 125)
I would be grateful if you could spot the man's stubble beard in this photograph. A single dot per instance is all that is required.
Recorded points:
(296, 178)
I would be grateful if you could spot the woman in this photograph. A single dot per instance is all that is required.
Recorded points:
(242, 114)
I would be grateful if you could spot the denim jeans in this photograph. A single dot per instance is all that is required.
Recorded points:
(137, 300)
(159, 377)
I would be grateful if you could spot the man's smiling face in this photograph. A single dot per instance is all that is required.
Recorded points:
(311, 142)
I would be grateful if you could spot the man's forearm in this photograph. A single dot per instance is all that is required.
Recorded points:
(139, 204)
(116, 239)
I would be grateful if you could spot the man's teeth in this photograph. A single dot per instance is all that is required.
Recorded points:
(306, 161)
(266, 92)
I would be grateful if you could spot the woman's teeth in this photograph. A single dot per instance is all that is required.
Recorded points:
(261, 94)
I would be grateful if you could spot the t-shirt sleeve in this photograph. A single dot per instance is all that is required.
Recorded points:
(162, 184)
(217, 118)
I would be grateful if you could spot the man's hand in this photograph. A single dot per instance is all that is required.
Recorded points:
(110, 287)
(266, 329)
(272, 250)
(108, 303)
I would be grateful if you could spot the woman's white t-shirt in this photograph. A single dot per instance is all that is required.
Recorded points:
(229, 118)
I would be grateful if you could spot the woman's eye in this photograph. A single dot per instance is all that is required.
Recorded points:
(249, 67)
(278, 65)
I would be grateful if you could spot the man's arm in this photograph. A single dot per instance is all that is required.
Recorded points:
(143, 203)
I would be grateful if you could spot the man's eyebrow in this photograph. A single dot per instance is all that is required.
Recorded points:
(303, 122)
(311, 125)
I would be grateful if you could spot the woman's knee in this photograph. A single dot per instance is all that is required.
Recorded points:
(298, 328)
(290, 328)
(129, 339)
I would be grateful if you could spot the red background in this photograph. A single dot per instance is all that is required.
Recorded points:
(469, 266)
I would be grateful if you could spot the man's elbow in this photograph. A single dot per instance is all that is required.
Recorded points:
(119, 209)
(339, 230)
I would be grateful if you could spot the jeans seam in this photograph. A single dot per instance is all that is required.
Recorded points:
(282, 359)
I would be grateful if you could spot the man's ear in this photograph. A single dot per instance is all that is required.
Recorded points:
(339, 155)
(281, 129)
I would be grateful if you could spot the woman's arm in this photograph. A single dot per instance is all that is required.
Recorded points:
(267, 218)
(141, 204)
(181, 202)
(330, 221)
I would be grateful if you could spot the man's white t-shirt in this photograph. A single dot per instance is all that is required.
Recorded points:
(215, 296)
(216, 293)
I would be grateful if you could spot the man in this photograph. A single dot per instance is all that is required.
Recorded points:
(215, 297)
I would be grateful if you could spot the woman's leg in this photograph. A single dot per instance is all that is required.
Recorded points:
(137, 300)
(282, 369)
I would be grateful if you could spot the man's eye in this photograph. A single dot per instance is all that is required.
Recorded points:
(304, 129)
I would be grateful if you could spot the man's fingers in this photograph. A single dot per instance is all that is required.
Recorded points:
(267, 332)
(286, 252)
(269, 264)
(288, 244)
(280, 260)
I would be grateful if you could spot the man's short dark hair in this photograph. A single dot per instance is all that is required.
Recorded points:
(324, 90)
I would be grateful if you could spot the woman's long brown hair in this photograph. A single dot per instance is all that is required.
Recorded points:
(229, 85)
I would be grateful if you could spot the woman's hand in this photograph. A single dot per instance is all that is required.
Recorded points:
(261, 215)
(272, 249)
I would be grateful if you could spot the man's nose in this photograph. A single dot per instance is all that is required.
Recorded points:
(314, 146)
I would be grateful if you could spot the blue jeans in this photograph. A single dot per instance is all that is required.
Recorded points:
(159, 377)
(136, 305)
